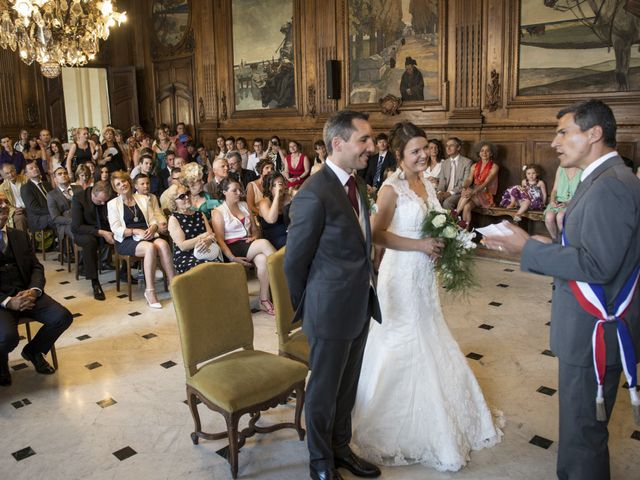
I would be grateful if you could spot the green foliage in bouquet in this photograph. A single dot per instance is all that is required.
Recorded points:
(455, 267)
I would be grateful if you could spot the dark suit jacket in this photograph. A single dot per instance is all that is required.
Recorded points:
(84, 217)
(30, 268)
(602, 226)
(36, 204)
(60, 207)
(328, 262)
(388, 162)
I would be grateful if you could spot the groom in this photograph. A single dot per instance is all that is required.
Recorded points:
(600, 246)
(329, 272)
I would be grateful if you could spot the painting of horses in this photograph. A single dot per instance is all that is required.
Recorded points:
(394, 49)
(573, 46)
(263, 54)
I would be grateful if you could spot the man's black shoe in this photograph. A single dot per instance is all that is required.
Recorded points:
(98, 294)
(107, 267)
(330, 474)
(358, 466)
(5, 374)
(39, 362)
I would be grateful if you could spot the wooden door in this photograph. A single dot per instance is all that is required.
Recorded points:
(123, 97)
(174, 92)
(56, 115)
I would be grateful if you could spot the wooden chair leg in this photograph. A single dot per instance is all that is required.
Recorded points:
(27, 326)
(68, 247)
(44, 253)
(116, 261)
(299, 407)
(232, 430)
(127, 260)
(54, 357)
(76, 255)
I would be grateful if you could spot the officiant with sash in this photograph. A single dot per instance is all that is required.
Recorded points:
(379, 162)
(595, 324)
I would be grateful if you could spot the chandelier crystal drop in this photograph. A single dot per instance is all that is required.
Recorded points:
(56, 33)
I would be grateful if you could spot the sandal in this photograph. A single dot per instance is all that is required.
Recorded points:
(267, 306)
(517, 219)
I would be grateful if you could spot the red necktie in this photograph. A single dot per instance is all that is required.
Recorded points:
(352, 192)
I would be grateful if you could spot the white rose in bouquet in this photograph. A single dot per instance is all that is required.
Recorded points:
(450, 232)
(439, 221)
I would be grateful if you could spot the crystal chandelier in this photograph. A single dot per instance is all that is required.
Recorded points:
(56, 33)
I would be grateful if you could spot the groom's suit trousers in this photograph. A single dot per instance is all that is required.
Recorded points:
(331, 393)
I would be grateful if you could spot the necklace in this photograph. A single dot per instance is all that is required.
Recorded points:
(134, 211)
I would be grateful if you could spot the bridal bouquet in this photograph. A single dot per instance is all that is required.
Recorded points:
(455, 267)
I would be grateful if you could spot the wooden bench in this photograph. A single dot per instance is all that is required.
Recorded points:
(535, 218)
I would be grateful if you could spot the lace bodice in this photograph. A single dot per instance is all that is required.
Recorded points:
(410, 208)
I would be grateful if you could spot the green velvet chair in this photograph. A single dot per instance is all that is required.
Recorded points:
(292, 342)
(222, 368)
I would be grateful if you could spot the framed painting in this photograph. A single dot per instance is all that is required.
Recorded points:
(170, 21)
(577, 47)
(395, 47)
(264, 54)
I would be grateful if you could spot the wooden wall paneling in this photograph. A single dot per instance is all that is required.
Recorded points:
(205, 61)
(123, 96)
(9, 91)
(325, 49)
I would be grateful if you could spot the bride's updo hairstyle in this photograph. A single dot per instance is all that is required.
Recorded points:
(401, 134)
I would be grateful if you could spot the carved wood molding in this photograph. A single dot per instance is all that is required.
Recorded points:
(390, 104)
(223, 105)
(311, 101)
(493, 91)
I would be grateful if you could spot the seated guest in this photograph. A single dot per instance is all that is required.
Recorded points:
(22, 294)
(193, 238)
(102, 174)
(257, 155)
(202, 157)
(453, 172)
(481, 184)
(254, 189)
(379, 162)
(34, 194)
(235, 167)
(234, 229)
(141, 186)
(91, 229)
(219, 171)
(23, 143)
(135, 230)
(10, 156)
(296, 165)
(165, 172)
(321, 155)
(147, 166)
(241, 148)
(111, 152)
(201, 201)
(531, 194)
(59, 202)
(83, 177)
(274, 209)
(564, 186)
(175, 179)
(436, 155)
(11, 187)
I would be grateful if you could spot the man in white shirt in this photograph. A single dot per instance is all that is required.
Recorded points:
(257, 155)
(11, 188)
(455, 169)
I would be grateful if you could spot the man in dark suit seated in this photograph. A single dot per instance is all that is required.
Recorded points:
(235, 168)
(34, 195)
(59, 202)
(90, 229)
(22, 294)
(379, 162)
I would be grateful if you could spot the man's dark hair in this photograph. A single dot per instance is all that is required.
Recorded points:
(341, 125)
(457, 140)
(589, 113)
(382, 136)
(258, 139)
(175, 170)
(140, 176)
(234, 153)
(102, 186)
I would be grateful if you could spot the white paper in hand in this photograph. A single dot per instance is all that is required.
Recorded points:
(495, 230)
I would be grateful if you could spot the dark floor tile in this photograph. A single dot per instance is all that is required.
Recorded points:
(198, 401)
(23, 453)
(124, 453)
(636, 435)
(92, 366)
(224, 452)
(113, 281)
(22, 337)
(626, 386)
(546, 390)
(548, 353)
(255, 310)
(70, 297)
(76, 315)
(19, 366)
(123, 295)
(65, 282)
(134, 314)
(502, 285)
(495, 304)
(83, 337)
(149, 336)
(484, 326)
(107, 402)
(26, 401)
(541, 442)
(17, 404)
(549, 301)
(59, 269)
(168, 364)
(548, 324)
(474, 356)
(508, 270)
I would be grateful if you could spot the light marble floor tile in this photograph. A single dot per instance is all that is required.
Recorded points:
(75, 438)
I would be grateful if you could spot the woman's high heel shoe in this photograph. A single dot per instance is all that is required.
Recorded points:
(154, 304)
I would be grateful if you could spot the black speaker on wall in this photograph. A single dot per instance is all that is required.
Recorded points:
(333, 79)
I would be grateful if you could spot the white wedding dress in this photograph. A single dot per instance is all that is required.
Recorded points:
(418, 401)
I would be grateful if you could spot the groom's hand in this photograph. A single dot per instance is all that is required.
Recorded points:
(511, 244)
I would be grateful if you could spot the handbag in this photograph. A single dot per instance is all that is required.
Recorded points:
(210, 254)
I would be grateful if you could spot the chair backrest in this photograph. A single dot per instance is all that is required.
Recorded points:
(211, 302)
(280, 296)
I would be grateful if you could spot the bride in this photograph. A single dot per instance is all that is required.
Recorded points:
(418, 401)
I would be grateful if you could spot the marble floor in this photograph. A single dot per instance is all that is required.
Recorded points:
(115, 409)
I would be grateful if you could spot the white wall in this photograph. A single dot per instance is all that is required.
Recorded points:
(86, 97)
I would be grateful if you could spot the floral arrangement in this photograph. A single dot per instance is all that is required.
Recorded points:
(368, 194)
(455, 267)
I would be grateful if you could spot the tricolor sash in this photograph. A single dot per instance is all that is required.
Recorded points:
(592, 299)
